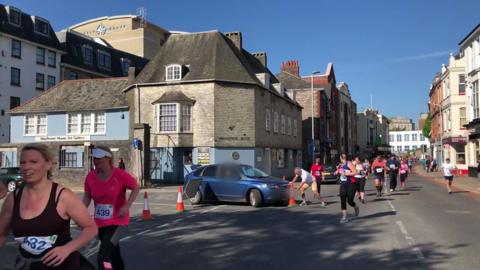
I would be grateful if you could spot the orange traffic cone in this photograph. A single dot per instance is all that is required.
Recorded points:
(180, 206)
(146, 215)
(291, 201)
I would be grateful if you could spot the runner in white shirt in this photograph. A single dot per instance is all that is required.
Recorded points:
(447, 168)
(307, 180)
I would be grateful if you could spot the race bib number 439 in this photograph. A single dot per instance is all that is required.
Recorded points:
(36, 244)
(103, 211)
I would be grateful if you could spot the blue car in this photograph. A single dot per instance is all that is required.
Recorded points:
(235, 183)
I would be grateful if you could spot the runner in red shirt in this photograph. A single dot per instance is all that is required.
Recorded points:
(379, 168)
(107, 186)
(317, 171)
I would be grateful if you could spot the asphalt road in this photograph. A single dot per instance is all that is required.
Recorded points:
(421, 227)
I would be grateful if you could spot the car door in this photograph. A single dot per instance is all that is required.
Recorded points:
(210, 183)
(231, 186)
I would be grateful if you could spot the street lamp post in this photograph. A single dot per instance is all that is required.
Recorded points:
(313, 117)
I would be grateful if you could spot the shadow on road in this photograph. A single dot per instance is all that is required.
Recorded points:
(272, 238)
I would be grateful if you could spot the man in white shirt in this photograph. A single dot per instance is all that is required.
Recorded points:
(307, 180)
(447, 168)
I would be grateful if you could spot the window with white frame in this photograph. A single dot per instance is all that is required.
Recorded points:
(392, 138)
(14, 16)
(186, 120)
(399, 137)
(104, 60)
(461, 84)
(267, 119)
(407, 147)
(289, 126)
(282, 121)
(275, 122)
(449, 119)
(407, 137)
(35, 124)
(476, 111)
(399, 148)
(173, 72)
(295, 130)
(40, 81)
(422, 138)
(86, 123)
(41, 26)
(281, 158)
(168, 117)
(414, 137)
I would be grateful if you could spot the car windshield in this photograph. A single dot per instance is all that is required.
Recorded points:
(250, 171)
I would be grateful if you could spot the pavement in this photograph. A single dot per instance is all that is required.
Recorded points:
(461, 183)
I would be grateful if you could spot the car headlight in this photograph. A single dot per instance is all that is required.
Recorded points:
(270, 186)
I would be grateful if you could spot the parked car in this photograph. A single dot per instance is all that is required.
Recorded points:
(330, 175)
(235, 183)
(11, 178)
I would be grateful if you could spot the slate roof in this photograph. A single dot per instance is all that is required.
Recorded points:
(26, 30)
(78, 95)
(72, 43)
(208, 56)
(291, 81)
(173, 96)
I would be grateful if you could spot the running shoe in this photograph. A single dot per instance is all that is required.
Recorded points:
(344, 220)
(357, 210)
(450, 192)
(323, 204)
(303, 203)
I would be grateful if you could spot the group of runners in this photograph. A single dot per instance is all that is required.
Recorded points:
(39, 213)
(353, 175)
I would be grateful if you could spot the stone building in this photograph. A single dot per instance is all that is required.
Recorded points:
(399, 123)
(315, 107)
(204, 99)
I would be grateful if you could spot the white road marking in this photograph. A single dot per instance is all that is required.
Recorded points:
(144, 232)
(212, 209)
(164, 225)
(462, 212)
(410, 241)
(391, 206)
(125, 238)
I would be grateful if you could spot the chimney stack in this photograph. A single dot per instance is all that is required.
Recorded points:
(236, 38)
(291, 67)
(262, 57)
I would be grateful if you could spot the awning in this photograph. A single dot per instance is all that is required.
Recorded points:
(455, 140)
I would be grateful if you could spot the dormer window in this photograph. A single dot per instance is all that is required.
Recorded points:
(87, 54)
(14, 16)
(41, 26)
(173, 72)
(104, 60)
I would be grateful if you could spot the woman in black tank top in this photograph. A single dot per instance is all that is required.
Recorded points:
(39, 217)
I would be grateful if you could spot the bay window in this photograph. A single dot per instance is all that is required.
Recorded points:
(173, 117)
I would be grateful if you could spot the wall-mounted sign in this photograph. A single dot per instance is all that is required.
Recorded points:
(203, 155)
(62, 138)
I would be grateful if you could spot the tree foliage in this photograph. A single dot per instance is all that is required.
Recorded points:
(427, 127)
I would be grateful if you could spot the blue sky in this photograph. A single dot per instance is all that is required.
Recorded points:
(387, 49)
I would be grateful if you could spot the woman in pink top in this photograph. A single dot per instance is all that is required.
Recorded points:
(107, 186)
(403, 173)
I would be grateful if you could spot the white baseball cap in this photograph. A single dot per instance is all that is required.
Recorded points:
(100, 153)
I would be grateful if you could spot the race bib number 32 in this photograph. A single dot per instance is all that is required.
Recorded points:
(103, 211)
(36, 244)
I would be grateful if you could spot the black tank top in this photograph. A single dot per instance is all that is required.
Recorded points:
(48, 223)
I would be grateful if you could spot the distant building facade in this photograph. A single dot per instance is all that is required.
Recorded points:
(30, 61)
(421, 120)
(128, 33)
(404, 142)
(399, 123)
(371, 133)
(88, 58)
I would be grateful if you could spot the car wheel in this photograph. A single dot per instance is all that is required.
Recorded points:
(197, 199)
(11, 186)
(255, 198)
